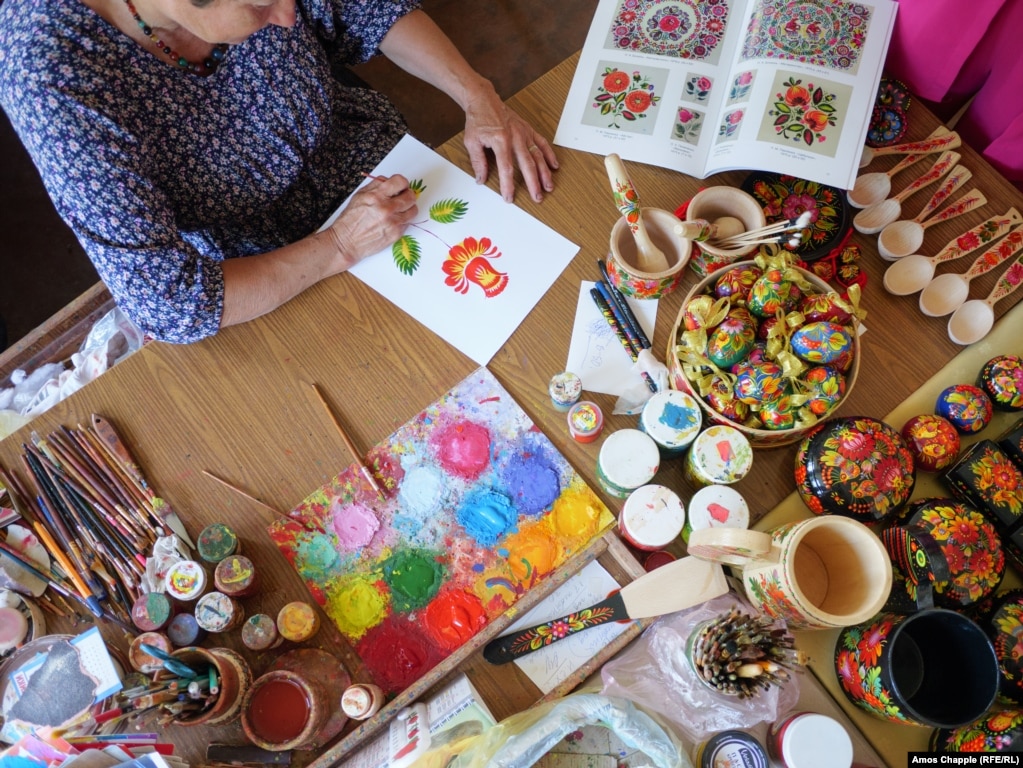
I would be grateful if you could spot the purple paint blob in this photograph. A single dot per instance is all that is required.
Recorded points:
(462, 449)
(487, 516)
(531, 481)
(354, 525)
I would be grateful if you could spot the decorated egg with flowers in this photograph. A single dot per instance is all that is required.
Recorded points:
(759, 383)
(732, 339)
(772, 293)
(821, 342)
(737, 282)
(966, 406)
(824, 387)
(779, 414)
(829, 307)
(722, 399)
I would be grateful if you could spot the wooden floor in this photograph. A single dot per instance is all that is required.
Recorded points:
(42, 267)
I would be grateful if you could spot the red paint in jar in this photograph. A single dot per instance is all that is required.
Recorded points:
(278, 711)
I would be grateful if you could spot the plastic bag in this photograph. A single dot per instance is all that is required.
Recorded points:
(654, 673)
(633, 399)
(522, 739)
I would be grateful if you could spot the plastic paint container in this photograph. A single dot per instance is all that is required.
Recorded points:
(655, 560)
(298, 621)
(652, 517)
(185, 631)
(362, 701)
(731, 749)
(585, 421)
(565, 390)
(627, 460)
(186, 581)
(217, 541)
(236, 576)
(259, 633)
(716, 506)
(672, 418)
(809, 740)
(720, 455)
(152, 612)
(216, 612)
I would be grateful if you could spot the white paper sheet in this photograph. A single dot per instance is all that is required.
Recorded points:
(595, 354)
(523, 258)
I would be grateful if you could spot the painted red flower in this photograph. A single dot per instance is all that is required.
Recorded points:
(797, 96)
(669, 23)
(968, 241)
(870, 644)
(468, 262)
(815, 120)
(795, 205)
(637, 101)
(684, 115)
(616, 81)
(849, 673)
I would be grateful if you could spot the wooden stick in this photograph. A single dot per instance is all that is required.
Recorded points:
(236, 489)
(350, 445)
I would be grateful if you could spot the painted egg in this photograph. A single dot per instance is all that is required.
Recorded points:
(778, 414)
(756, 384)
(933, 441)
(697, 312)
(825, 387)
(766, 326)
(966, 406)
(771, 293)
(757, 355)
(737, 282)
(825, 306)
(732, 340)
(1002, 379)
(721, 398)
(821, 342)
(843, 363)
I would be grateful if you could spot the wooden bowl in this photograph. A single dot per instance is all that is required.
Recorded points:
(712, 203)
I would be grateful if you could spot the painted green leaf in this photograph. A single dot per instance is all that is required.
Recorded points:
(406, 254)
(417, 186)
(826, 108)
(448, 211)
(783, 108)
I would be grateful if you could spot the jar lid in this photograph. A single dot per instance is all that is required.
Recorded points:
(628, 459)
(216, 541)
(721, 454)
(858, 467)
(260, 632)
(717, 506)
(184, 631)
(565, 390)
(151, 611)
(813, 740)
(216, 612)
(297, 621)
(585, 421)
(185, 580)
(652, 517)
(1001, 378)
(235, 575)
(672, 418)
(732, 748)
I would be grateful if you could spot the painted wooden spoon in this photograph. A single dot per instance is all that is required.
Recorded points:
(912, 273)
(871, 188)
(872, 220)
(702, 230)
(946, 293)
(975, 318)
(949, 140)
(649, 257)
(903, 237)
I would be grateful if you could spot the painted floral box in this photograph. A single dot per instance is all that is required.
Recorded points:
(986, 478)
(1011, 441)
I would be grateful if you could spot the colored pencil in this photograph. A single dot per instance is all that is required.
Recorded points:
(623, 305)
(608, 312)
(349, 444)
(622, 321)
(238, 490)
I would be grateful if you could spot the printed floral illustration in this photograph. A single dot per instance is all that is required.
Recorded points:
(467, 263)
(730, 124)
(682, 29)
(741, 86)
(803, 113)
(698, 88)
(822, 32)
(688, 123)
(856, 656)
(624, 96)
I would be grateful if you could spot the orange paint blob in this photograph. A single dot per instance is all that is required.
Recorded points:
(532, 553)
(453, 617)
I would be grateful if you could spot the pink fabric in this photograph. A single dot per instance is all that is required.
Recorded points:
(949, 50)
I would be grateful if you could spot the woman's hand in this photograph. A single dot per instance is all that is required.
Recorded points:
(374, 219)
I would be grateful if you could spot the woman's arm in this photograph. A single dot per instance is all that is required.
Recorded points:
(417, 45)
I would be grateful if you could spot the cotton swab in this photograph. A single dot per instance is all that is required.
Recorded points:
(755, 235)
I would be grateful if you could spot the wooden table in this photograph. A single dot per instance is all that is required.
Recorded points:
(240, 405)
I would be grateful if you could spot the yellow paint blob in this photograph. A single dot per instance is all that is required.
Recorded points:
(579, 514)
(532, 553)
(356, 606)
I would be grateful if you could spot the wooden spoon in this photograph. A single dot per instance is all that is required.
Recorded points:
(871, 188)
(974, 319)
(872, 220)
(912, 273)
(946, 293)
(649, 257)
(950, 140)
(901, 238)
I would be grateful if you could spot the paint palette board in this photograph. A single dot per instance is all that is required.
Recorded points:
(479, 509)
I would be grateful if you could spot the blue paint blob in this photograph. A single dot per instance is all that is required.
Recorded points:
(487, 515)
(674, 416)
(478, 567)
(316, 556)
(531, 480)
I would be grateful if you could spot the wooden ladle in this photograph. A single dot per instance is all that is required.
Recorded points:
(912, 273)
(649, 257)
(950, 140)
(903, 237)
(946, 293)
(974, 319)
(872, 220)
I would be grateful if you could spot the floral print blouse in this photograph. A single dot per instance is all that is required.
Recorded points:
(162, 174)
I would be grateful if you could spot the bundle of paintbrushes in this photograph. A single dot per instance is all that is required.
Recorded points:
(167, 700)
(742, 655)
(771, 234)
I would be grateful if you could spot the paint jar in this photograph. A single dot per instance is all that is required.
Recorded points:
(298, 622)
(731, 748)
(362, 701)
(216, 612)
(217, 541)
(672, 418)
(585, 421)
(259, 633)
(720, 455)
(233, 677)
(184, 631)
(715, 506)
(655, 560)
(565, 390)
(284, 710)
(21, 621)
(627, 460)
(152, 612)
(808, 740)
(652, 517)
(140, 660)
(236, 576)
(186, 581)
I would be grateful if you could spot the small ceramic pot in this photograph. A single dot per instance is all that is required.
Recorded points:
(621, 263)
(935, 668)
(712, 203)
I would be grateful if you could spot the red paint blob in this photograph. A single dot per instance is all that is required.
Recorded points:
(463, 449)
(453, 617)
(397, 654)
(278, 711)
(718, 512)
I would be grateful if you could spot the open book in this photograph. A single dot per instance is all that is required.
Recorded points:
(704, 86)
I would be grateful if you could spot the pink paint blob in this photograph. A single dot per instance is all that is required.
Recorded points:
(718, 512)
(463, 449)
(354, 525)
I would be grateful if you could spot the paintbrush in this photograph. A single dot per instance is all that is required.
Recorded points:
(238, 490)
(672, 587)
(350, 445)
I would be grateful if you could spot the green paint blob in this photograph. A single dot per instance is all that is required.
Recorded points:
(316, 557)
(356, 606)
(414, 577)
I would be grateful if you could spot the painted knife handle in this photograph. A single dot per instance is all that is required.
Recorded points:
(525, 641)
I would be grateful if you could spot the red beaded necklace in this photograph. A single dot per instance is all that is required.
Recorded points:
(208, 64)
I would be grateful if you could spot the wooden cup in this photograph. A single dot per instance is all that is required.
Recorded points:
(621, 263)
(713, 203)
